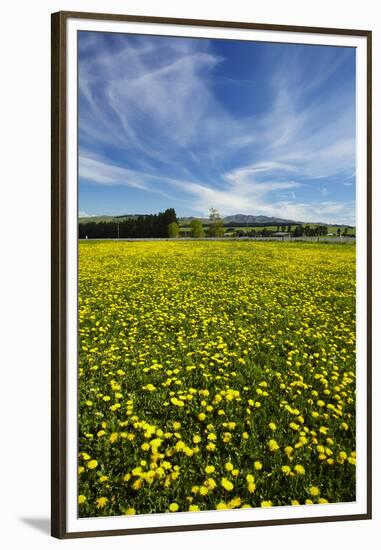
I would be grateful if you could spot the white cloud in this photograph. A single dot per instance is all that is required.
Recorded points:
(132, 96)
(108, 174)
(242, 191)
(154, 103)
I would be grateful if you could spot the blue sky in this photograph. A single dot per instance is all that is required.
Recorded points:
(245, 127)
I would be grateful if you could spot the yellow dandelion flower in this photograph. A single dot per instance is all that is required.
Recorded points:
(288, 450)
(149, 387)
(226, 484)
(235, 502)
(266, 503)
(137, 484)
(101, 502)
(272, 445)
(210, 483)
(113, 437)
(222, 506)
(251, 487)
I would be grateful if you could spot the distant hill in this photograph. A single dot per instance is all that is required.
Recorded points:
(248, 218)
(98, 219)
(242, 219)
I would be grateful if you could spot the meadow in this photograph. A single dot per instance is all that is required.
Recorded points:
(215, 375)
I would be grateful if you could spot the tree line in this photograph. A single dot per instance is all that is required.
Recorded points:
(147, 226)
(298, 231)
(150, 226)
(165, 224)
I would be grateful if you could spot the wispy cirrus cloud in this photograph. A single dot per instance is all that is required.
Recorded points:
(107, 174)
(241, 192)
(158, 115)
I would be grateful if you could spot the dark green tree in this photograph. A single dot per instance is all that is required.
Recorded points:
(136, 226)
(298, 231)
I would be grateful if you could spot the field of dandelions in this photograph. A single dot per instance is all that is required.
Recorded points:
(215, 375)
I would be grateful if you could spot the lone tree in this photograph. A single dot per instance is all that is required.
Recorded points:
(197, 229)
(173, 230)
(216, 224)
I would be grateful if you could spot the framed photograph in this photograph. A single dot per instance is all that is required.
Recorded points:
(211, 293)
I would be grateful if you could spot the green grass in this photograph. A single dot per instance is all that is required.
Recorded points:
(215, 375)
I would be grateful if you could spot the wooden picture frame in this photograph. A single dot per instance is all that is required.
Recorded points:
(62, 491)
